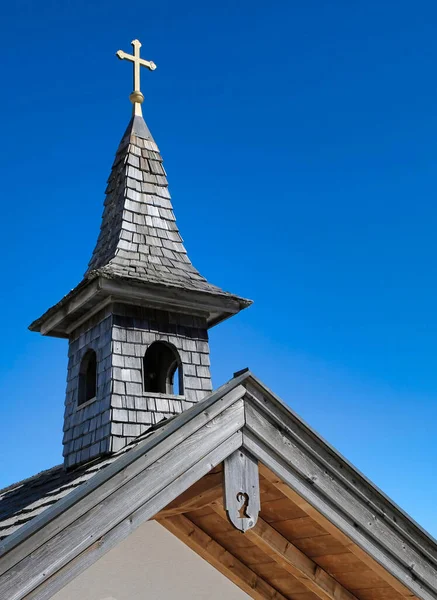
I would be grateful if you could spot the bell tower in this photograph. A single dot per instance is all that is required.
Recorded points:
(137, 324)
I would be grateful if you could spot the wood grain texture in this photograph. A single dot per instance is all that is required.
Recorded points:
(348, 544)
(221, 559)
(272, 446)
(201, 494)
(241, 487)
(337, 467)
(290, 558)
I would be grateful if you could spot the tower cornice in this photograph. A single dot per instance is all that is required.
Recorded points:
(101, 288)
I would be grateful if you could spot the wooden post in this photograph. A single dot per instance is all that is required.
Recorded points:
(241, 490)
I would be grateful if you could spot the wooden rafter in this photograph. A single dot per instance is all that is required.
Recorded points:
(202, 493)
(293, 560)
(334, 531)
(217, 556)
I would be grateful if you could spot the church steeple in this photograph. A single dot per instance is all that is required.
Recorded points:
(138, 322)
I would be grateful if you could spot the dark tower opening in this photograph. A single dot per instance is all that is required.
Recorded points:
(87, 377)
(162, 369)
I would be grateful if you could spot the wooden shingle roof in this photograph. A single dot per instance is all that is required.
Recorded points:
(25, 500)
(139, 236)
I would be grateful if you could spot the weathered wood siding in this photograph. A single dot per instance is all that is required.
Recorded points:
(120, 336)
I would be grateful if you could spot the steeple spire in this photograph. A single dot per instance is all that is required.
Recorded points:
(136, 96)
(139, 238)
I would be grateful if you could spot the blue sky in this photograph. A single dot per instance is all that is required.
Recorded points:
(300, 140)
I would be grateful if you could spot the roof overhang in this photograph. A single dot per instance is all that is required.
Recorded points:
(55, 546)
(93, 294)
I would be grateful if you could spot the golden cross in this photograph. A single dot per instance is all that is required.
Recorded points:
(136, 97)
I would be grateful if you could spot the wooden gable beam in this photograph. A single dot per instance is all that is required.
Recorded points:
(408, 560)
(156, 481)
(335, 532)
(293, 560)
(201, 494)
(217, 556)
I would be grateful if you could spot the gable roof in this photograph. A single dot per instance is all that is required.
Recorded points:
(54, 546)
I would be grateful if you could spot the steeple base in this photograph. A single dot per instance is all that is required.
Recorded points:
(150, 365)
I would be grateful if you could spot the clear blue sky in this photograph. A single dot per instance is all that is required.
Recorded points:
(300, 139)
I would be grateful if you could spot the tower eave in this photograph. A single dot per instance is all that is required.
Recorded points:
(100, 289)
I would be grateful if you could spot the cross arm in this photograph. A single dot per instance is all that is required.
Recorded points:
(144, 63)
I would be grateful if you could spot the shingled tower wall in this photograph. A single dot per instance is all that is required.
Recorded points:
(120, 335)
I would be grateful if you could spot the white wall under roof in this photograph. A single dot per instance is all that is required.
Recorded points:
(151, 564)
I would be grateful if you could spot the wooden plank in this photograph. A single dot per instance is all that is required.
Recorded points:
(233, 540)
(319, 545)
(337, 467)
(296, 529)
(201, 494)
(290, 558)
(78, 300)
(268, 492)
(241, 485)
(88, 315)
(386, 593)
(83, 532)
(108, 541)
(270, 571)
(360, 580)
(339, 563)
(79, 501)
(359, 519)
(280, 509)
(283, 582)
(391, 569)
(363, 556)
(221, 559)
(201, 512)
(195, 302)
(306, 596)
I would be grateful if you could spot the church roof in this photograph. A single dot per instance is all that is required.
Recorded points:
(324, 531)
(23, 501)
(139, 237)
